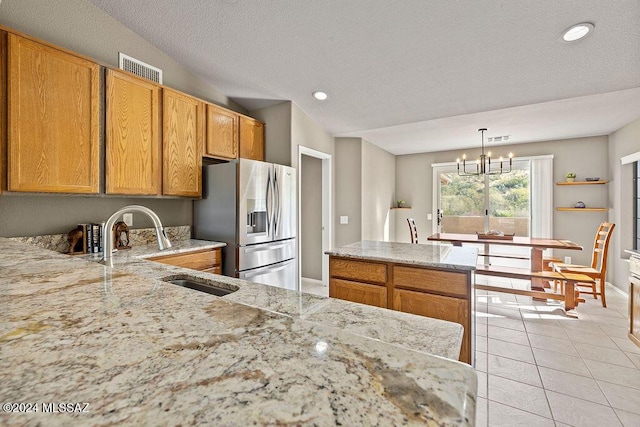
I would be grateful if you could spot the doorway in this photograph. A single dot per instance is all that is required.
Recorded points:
(314, 207)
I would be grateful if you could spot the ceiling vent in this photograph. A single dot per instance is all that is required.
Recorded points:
(498, 138)
(139, 68)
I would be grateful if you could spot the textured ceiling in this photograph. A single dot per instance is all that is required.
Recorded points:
(411, 75)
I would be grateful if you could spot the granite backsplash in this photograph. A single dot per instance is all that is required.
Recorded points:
(140, 236)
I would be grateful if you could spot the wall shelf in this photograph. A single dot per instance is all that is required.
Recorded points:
(581, 183)
(583, 209)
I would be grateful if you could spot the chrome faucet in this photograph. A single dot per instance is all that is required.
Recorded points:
(163, 240)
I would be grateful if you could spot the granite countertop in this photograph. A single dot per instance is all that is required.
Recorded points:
(430, 254)
(139, 350)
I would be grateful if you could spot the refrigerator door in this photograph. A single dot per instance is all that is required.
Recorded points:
(255, 202)
(285, 210)
(254, 256)
(282, 275)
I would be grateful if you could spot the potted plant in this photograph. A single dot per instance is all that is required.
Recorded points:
(571, 176)
(400, 203)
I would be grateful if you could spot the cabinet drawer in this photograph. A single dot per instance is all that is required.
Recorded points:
(201, 260)
(358, 270)
(443, 282)
(362, 293)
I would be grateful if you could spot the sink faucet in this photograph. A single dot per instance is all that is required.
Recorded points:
(163, 240)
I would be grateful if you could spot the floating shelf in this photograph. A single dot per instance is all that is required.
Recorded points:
(583, 209)
(404, 207)
(581, 183)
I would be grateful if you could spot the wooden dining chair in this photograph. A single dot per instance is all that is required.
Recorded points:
(413, 230)
(598, 268)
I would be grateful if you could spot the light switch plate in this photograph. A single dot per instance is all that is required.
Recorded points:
(429, 217)
(567, 260)
(344, 219)
(128, 219)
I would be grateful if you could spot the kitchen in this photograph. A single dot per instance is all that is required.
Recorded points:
(22, 214)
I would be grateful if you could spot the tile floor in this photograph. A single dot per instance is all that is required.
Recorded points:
(538, 366)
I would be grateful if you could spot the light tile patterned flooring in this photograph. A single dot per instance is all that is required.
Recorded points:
(539, 367)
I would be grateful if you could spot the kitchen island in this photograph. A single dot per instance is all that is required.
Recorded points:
(433, 279)
(131, 349)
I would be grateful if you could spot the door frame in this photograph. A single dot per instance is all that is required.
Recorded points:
(326, 209)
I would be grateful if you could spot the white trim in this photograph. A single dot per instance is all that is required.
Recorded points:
(326, 209)
(613, 287)
(630, 158)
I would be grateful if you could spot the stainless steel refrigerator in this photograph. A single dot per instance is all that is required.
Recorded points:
(251, 206)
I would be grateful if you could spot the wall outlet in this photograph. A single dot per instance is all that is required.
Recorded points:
(128, 219)
(567, 260)
(429, 217)
(344, 219)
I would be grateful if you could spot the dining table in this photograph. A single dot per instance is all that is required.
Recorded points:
(537, 244)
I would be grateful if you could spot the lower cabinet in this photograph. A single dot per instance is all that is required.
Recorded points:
(362, 293)
(209, 260)
(437, 293)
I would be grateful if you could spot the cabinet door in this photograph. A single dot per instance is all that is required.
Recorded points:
(362, 293)
(183, 130)
(438, 307)
(133, 135)
(53, 119)
(222, 133)
(208, 260)
(251, 139)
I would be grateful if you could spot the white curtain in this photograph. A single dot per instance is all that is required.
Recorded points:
(542, 197)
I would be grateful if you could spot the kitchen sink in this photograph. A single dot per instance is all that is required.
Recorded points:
(203, 285)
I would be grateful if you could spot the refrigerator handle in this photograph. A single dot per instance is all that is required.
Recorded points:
(268, 269)
(267, 204)
(276, 193)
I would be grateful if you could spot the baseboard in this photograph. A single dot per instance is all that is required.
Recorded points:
(617, 289)
(313, 281)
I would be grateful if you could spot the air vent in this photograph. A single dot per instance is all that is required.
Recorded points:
(139, 68)
(498, 138)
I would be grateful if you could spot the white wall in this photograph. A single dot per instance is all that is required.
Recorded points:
(311, 217)
(348, 166)
(623, 142)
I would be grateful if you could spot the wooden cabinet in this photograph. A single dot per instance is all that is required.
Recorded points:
(251, 139)
(3, 110)
(53, 119)
(183, 131)
(222, 133)
(439, 307)
(132, 135)
(438, 293)
(362, 293)
(209, 260)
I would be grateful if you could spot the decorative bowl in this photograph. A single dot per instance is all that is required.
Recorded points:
(593, 179)
(580, 205)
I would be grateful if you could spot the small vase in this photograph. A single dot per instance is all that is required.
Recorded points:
(570, 179)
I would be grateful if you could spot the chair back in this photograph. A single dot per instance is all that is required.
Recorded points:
(601, 247)
(413, 230)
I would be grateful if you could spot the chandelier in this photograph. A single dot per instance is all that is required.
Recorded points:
(483, 163)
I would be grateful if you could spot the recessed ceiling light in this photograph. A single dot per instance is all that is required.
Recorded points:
(577, 32)
(320, 95)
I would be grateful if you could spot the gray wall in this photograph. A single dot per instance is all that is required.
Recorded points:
(378, 190)
(311, 217)
(584, 156)
(621, 143)
(348, 166)
(81, 27)
(277, 134)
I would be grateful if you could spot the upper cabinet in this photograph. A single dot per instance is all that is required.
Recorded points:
(183, 131)
(222, 133)
(53, 119)
(251, 139)
(132, 135)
